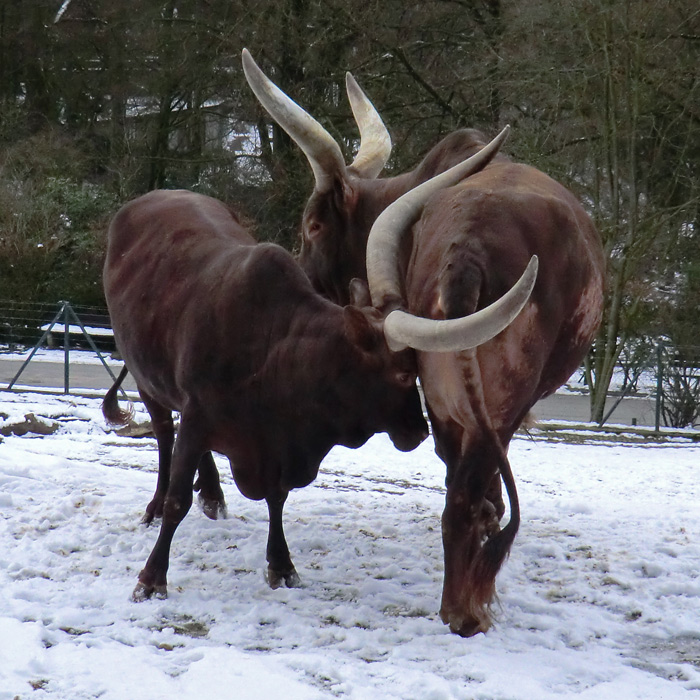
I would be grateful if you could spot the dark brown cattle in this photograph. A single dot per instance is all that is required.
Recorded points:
(262, 368)
(450, 253)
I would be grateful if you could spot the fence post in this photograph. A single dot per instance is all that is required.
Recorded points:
(36, 347)
(91, 342)
(659, 384)
(66, 348)
(67, 314)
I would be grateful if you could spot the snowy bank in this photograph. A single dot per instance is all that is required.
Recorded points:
(599, 599)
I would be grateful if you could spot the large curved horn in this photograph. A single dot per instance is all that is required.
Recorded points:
(404, 330)
(375, 142)
(385, 236)
(321, 149)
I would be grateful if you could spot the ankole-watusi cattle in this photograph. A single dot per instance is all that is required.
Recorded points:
(451, 253)
(262, 368)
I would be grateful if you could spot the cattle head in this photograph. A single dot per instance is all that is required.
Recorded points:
(384, 276)
(336, 219)
(377, 378)
(346, 198)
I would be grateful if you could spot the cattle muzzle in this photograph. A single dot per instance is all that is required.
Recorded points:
(408, 439)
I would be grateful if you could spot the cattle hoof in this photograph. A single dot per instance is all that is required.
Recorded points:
(147, 518)
(292, 580)
(275, 579)
(153, 510)
(143, 592)
(213, 508)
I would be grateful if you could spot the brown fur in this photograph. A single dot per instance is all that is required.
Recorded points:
(262, 369)
(469, 247)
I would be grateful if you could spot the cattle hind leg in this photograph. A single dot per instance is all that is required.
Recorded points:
(211, 497)
(280, 568)
(164, 430)
(178, 500)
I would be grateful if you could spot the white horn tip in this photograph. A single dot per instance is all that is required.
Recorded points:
(503, 135)
(534, 265)
(248, 61)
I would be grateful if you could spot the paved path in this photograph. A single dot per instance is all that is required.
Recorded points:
(95, 378)
(51, 374)
(576, 407)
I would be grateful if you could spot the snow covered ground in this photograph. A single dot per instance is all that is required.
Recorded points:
(599, 600)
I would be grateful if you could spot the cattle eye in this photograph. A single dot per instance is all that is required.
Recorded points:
(405, 378)
(313, 228)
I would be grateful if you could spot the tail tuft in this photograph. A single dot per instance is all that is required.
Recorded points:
(529, 422)
(114, 414)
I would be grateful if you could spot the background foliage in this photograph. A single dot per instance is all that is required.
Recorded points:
(102, 101)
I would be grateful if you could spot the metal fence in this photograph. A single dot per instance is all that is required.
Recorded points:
(63, 326)
(24, 324)
(669, 373)
(678, 385)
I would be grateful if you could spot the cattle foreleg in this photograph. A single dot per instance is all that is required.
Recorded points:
(211, 497)
(280, 569)
(178, 500)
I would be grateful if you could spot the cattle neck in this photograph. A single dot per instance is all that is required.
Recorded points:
(306, 382)
(373, 197)
(376, 195)
(299, 350)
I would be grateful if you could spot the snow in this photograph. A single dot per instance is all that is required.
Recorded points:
(78, 357)
(60, 328)
(599, 600)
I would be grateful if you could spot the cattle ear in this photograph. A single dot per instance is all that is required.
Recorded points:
(359, 329)
(350, 194)
(345, 194)
(359, 292)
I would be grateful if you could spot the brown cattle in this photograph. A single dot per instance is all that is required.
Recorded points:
(263, 369)
(451, 253)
